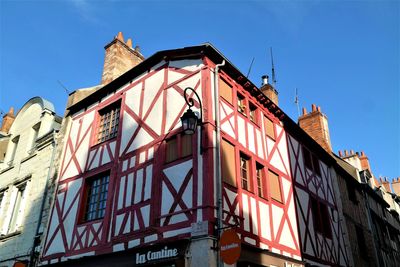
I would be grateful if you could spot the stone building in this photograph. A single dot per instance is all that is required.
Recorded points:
(25, 176)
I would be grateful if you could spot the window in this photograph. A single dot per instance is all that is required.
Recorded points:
(253, 113)
(228, 163)
(34, 136)
(321, 217)
(179, 146)
(225, 90)
(311, 161)
(362, 248)
(307, 158)
(261, 189)
(14, 145)
(241, 105)
(315, 161)
(108, 122)
(96, 197)
(245, 173)
(16, 213)
(275, 186)
(269, 128)
(351, 192)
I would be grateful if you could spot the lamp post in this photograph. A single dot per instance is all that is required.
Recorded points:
(189, 125)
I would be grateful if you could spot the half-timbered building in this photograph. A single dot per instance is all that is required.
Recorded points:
(134, 190)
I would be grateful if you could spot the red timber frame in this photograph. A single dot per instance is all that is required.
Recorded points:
(140, 180)
(317, 247)
(236, 209)
(124, 221)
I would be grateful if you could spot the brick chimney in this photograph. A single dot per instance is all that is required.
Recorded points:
(364, 162)
(8, 120)
(315, 124)
(385, 183)
(396, 186)
(119, 58)
(269, 90)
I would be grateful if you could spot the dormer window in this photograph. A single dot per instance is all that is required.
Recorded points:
(34, 136)
(13, 150)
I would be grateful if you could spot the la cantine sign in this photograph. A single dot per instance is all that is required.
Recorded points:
(156, 255)
(230, 246)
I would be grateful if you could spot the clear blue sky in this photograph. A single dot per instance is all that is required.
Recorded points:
(341, 55)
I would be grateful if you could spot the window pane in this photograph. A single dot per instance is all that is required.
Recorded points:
(244, 173)
(275, 186)
(228, 163)
(307, 158)
(260, 181)
(316, 165)
(225, 91)
(97, 197)
(241, 106)
(315, 215)
(108, 123)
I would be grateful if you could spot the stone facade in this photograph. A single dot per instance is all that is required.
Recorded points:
(27, 167)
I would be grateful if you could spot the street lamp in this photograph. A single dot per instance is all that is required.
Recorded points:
(189, 119)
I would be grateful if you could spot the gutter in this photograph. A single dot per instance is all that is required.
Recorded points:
(218, 158)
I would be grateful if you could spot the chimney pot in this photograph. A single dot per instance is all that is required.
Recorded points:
(352, 152)
(319, 108)
(358, 154)
(362, 154)
(346, 153)
(264, 79)
(340, 153)
(314, 107)
(304, 111)
(129, 43)
(120, 37)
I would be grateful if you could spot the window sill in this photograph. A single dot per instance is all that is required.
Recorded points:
(10, 235)
(83, 223)
(28, 157)
(7, 169)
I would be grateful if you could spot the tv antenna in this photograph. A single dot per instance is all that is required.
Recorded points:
(251, 65)
(273, 68)
(65, 88)
(296, 101)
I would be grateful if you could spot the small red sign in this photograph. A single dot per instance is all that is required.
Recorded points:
(230, 246)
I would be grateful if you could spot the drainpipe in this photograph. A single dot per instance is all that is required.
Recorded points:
(33, 259)
(218, 158)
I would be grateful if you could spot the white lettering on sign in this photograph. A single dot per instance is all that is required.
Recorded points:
(226, 247)
(156, 255)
